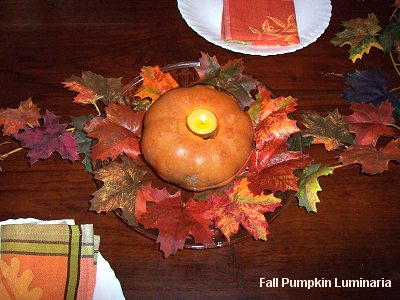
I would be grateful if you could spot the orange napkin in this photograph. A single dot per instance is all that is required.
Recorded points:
(47, 261)
(259, 22)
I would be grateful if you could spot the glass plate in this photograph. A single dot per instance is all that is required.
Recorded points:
(204, 17)
(185, 74)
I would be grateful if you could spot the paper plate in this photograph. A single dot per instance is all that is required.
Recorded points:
(204, 17)
(107, 285)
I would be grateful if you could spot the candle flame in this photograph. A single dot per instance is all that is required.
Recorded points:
(203, 118)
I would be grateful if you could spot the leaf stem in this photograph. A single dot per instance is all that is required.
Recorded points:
(394, 125)
(393, 14)
(395, 65)
(29, 125)
(394, 89)
(97, 108)
(337, 167)
(71, 129)
(11, 152)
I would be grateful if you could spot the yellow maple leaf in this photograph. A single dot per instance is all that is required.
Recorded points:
(13, 286)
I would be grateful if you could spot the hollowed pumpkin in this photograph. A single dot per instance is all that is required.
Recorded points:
(180, 156)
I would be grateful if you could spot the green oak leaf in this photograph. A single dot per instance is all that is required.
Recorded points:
(360, 35)
(84, 142)
(228, 77)
(309, 186)
(331, 130)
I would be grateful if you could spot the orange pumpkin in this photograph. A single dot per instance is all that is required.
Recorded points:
(182, 157)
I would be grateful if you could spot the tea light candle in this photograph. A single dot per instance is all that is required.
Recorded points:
(202, 122)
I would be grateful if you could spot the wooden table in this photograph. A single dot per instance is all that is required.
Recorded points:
(356, 232)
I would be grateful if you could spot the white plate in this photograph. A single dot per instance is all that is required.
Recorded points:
(204, 17)
(107, 285)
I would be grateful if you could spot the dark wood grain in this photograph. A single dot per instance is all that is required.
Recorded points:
(356, 232)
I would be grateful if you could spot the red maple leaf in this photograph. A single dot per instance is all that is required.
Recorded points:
(272, 168)
(373, 161)
(273, 121)
(240, 206)
(176, 222)
(369, 122)
(46, 139)
(15, 119)
(116, 133)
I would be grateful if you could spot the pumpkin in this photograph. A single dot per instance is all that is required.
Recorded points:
(179, 155)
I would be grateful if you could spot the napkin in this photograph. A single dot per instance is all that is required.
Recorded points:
(47, 261)
(259, 22)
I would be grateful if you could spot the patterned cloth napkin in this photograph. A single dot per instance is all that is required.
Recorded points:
(47, 261)
(259, 22)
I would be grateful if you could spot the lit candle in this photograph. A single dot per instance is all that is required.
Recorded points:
(202, 122)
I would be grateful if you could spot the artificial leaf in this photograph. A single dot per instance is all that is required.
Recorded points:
(84, 142)
(298, 142)
(240, 206)
(16, 282)
(176, 222)
(373, 161)
(389, 34)
(15, 119)
(46, 139)
(254, 110)
(360, 35)
(331, 130)
(272, 168)
(121, 184)
(273, 121)
(228, 77)
(116, 133)
(396, 3)
(92, 87)
(368, 86)
(155, 83)
(309, 186)
(369, 122)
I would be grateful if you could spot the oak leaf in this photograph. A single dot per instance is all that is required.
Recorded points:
(273, 121)
(51, 136)
(15, 119)
(155, 83)
(121, 184)
(176, 222)
(369, 122)
(92, 87)
(14, 283)
(272, 168)
(229, 77)
(373, 161)
(116, 133)
(367, 86)
(84, 142)
(360, 35)
(331, 130)
(240, 206)
(309, 186)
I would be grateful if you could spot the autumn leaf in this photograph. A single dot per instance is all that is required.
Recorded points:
(396, 3)
(84, 142)
(360, 35)
(254, 110)
(15, 119)
(273, 121)
(120, 188)
(155, 83)
(228, 77)
(373, 161)
(46, 139)
(273, 167)
(14, 283)
(309, 186)
(369, 122)
(368, 86)
(116, 133)
(389, 34)
(298, 142)
(175, 222)
(240, 206)
(92, 87)
(331, 130)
